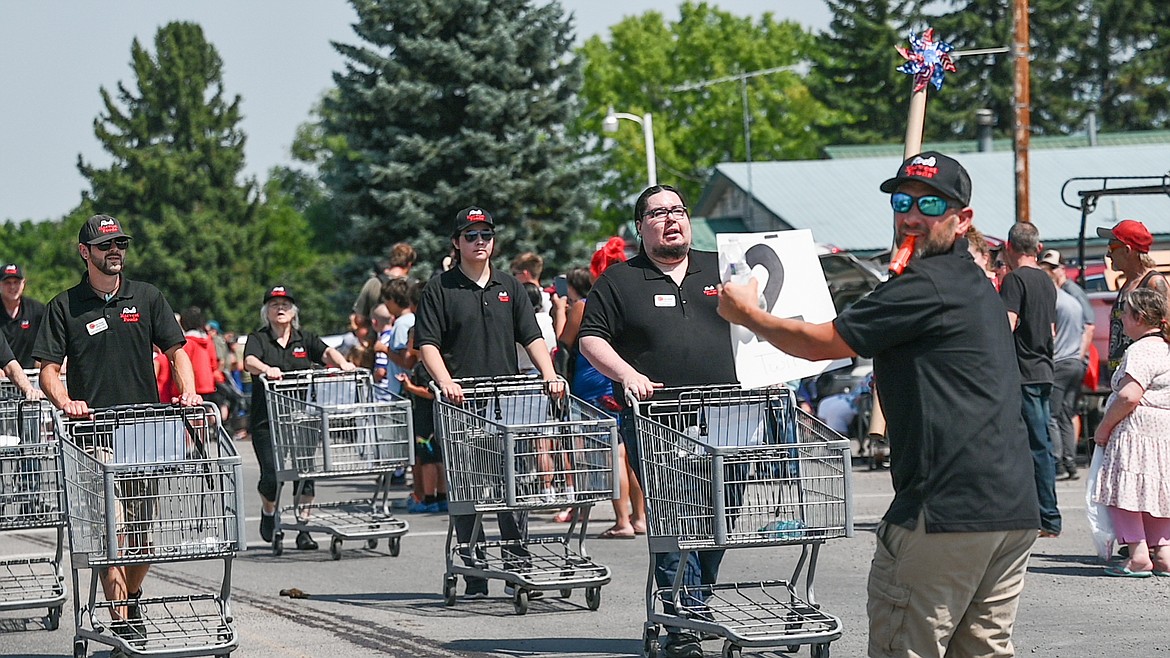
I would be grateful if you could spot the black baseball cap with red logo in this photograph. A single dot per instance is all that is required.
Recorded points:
(11, 270)
(279, 292)
(939, 171)
(469, 216)
(100, 228)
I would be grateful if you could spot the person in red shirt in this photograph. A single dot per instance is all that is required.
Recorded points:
(201, 349)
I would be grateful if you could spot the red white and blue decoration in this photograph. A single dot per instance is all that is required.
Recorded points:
(927, 60)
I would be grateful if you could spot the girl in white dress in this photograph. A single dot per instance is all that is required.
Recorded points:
(1135, 433)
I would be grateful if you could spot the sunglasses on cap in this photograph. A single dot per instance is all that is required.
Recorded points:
(120, 243)
(473, 236)
(929, 205)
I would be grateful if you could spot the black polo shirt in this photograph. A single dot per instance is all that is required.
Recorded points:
(108, 344)
(304, 349)
(476, 329)
(945, 368)
(21, 331)
(6, 354)
(669, 333)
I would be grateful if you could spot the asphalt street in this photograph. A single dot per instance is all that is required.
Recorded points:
(371, 604)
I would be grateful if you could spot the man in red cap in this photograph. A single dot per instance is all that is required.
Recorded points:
(1129, 253)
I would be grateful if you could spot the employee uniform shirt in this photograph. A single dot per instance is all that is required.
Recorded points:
(304, 349)
(945, 366)
(6, 355)
(21, 330)
(476, 329)
(1029, 293)
(108, 343)
(668, 332)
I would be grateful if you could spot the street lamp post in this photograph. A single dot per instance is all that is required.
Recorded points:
(610, 125)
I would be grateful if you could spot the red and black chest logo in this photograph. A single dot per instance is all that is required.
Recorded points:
(25, 324)
(299, 352)
(504, 297)
(130, 314)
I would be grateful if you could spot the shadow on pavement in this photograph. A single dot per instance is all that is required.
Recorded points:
(552, 646)
(1066, 565)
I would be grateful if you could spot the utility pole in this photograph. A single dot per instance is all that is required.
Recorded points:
(1023, 101)
(742, 79)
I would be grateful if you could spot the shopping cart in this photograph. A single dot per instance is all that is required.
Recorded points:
(727, 468)
(32, 496)
(327, 424)
(510, 447)
(146, 485)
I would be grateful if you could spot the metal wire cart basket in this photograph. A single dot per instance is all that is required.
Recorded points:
(511, 447)
(32, 496)
(727, 468)
(327, 424)
(152, 484)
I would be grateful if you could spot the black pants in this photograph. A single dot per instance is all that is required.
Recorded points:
(513, 526)
(262, 444)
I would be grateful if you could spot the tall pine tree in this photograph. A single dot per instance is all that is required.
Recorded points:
(174, 180)
(451, 103)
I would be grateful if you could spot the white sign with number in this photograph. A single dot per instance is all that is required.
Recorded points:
(792, 285)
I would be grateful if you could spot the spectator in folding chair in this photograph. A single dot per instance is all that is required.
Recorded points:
(106, 326)
(469, 320)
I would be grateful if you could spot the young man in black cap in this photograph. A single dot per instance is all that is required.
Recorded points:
(953, 547)
(22, 315)
(107, 326)
(468, 323)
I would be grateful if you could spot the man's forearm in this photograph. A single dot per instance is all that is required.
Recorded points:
(805, 340)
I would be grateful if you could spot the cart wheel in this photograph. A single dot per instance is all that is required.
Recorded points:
(593, 597)
(80, 649)
(650, 643)
(278, 544)
(566, 593)
(520, 601)
(395, 546)
(335, 548)
(449, 590)
(730, 650)
(371, 544)
(53, 621)
(820, 650)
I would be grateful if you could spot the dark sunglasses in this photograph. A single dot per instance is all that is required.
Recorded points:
(473, 236)
(120, 243)
(929, 205)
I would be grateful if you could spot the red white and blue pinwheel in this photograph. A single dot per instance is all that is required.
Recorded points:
(927, 60)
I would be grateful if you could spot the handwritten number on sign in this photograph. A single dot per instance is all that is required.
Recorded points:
(765, 256)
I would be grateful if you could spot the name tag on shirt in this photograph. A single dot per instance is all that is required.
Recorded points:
(665, 300)
(97, 326)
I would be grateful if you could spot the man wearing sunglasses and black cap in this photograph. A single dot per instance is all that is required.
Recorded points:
(953, 547)
(469, 320)
(107, 326)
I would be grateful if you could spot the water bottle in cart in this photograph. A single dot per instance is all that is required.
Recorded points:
(784, 529)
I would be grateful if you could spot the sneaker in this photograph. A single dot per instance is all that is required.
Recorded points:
(682, 645)
(510, 591)
(305, 542)
(134, 617)
(442, 506)
(476, 590)
(267, 526)
(419, 507)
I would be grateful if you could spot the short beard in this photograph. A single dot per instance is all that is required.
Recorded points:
(933, 245)
(104, 267)
(670, 253)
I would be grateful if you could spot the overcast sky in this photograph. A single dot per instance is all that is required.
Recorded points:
(54, 56)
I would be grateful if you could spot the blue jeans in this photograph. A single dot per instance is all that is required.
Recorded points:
(1036, 415)
(702, 567)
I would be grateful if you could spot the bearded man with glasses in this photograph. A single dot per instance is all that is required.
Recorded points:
(106, 326)
(649, 323)
(952, 549)
(469, 320)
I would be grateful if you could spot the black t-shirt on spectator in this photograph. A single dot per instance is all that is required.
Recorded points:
(1029, 293)
(945, 369)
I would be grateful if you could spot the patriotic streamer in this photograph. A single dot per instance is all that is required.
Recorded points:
(927, 60)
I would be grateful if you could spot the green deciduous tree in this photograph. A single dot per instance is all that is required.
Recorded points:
(645, 59)
(449, 103)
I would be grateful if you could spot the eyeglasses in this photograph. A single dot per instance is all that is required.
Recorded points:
(1114, 246)
(121, 243)
(659, 214)
(473, 236)
(929, 205)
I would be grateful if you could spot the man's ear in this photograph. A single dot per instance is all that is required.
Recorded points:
(83, 252)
